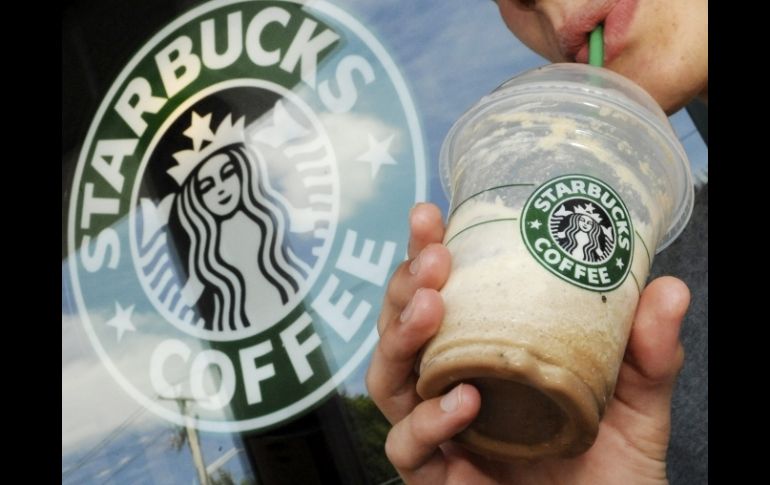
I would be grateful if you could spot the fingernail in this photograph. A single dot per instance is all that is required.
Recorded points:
(407, 313)
(414, 266)
(452, 401)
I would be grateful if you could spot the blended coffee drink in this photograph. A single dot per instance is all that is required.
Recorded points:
(564, 183)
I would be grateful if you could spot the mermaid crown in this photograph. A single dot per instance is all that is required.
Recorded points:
(199, 131)
(588, 210)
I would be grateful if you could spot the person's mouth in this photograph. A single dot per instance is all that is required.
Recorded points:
(225, 200)
(616, 16)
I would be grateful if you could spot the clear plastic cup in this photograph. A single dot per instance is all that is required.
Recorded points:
(564, 182)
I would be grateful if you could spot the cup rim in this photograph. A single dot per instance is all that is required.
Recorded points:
(650, 113)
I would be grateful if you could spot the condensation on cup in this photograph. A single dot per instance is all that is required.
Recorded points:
(564, 183)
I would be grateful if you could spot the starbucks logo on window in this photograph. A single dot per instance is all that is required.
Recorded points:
(222, 249)
(237, 207)
(578, 228)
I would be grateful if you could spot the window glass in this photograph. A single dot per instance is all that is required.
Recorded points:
(237, 177)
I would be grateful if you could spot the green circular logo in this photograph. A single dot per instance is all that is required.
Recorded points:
(235, 211)
(579, 229)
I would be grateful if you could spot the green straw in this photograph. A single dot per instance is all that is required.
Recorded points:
(596, 47)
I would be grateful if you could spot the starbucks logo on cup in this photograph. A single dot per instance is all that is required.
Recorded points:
(579, 229)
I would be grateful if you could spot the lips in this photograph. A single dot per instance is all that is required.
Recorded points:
(616, 16)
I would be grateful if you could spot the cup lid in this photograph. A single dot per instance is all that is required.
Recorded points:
(591, 83)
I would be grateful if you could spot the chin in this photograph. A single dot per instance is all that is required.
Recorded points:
(669, 101)
(672, 90)
(673, 97)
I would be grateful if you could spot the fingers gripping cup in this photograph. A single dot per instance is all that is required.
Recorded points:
(564, 182)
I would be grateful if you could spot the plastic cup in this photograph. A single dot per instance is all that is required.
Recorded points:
(564, 182)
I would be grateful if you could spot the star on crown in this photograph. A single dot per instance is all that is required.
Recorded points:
(228, 133)
(588, 210)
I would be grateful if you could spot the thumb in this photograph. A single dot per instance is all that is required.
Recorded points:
(654, 351)
(653, 359)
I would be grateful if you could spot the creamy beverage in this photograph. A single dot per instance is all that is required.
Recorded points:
(563, 186)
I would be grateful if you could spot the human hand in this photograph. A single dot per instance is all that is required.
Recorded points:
(633, 434)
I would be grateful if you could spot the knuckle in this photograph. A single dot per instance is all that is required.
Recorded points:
(420, 429)
(394, 450)
(392, 354)
(383, 321)
(397, 282)
(371, 384)
(399, 344)
(374, 386)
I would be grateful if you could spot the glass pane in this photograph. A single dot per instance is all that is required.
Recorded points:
(238, 177)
